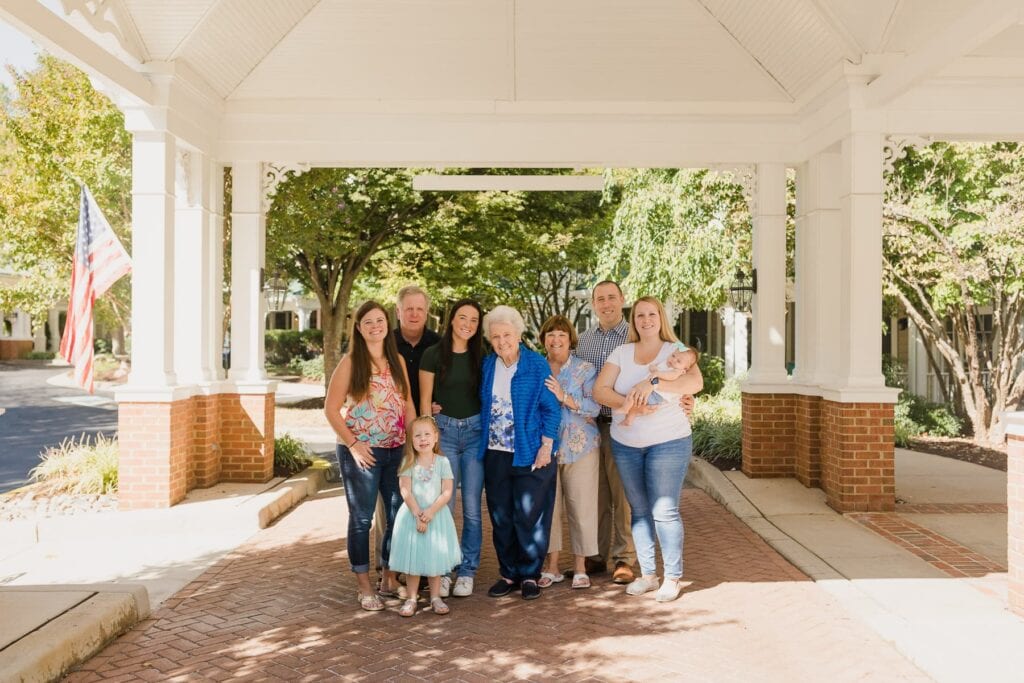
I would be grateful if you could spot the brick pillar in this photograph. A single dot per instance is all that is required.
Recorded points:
(807, 425)
(769, 435)
(155, 442)
(205, 463)
(1015, 521)
(857, 456)
(247, 437)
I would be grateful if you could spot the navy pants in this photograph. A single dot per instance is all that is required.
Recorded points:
(520, 502)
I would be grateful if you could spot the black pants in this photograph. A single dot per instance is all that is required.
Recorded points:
(520, 502)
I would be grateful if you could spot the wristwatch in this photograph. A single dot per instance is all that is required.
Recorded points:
(655, 380)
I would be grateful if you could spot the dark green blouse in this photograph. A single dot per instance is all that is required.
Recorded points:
(457, 396)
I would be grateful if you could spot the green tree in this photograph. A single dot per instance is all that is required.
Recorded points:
(678, 234)
(953, 253)
(327, 226)
(55, 132)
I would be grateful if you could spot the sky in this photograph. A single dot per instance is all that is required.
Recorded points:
(15, 49)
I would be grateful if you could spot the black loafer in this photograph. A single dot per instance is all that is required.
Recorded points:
(501, 588)
(530, 589)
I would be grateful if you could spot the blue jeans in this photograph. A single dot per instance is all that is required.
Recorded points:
(460, 443)
(653, 479)
(361, 490)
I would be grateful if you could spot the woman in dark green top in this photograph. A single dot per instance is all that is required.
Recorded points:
(449, 380)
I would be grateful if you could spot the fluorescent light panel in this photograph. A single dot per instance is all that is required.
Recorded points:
(524, 183)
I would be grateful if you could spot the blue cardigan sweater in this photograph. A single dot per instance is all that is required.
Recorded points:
(535, 410)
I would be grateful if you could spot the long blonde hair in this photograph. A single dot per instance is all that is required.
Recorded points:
(409, 453)
(665, 333)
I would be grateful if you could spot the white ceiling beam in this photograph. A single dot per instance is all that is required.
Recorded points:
(63, 40)
(964, 34)
(852, 50)
(509, 183)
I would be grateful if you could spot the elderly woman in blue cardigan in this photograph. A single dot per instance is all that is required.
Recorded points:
(520, 419)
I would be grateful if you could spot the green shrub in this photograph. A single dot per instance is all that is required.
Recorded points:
(713, 370)
(40, 355)
(310, 369)
(282, 346)
(718, 427)
(79, 466)
(894, 372)
(915, 416)
(290, 456)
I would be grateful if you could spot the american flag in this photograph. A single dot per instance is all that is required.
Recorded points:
(99, 262)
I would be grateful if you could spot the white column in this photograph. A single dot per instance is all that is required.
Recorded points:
(192, 262)
(817, 232)
(859, 364)
(152, 260)
(53, 320)
(768, 364)
(741, 363)
(39, 339)
(22, 325)
(215, 274)
(729, 325)
(303, 315)
(248, 246)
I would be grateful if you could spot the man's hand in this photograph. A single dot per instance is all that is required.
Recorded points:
(686, 402)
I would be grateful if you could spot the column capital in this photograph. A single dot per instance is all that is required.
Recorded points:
(274, 173)
(895, 147)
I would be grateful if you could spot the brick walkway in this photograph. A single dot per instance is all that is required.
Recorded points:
(282, 607)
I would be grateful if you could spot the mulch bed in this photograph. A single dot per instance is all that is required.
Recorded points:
(962, 449)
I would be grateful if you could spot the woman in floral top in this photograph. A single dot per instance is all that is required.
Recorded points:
(371, 381)
(572, 383)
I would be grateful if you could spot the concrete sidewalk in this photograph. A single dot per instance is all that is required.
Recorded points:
(937, 591)
(68, 585)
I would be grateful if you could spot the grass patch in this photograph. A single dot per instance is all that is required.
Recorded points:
(79, 466)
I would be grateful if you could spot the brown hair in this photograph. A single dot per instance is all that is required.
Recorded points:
(362, 364)
(665, 333)
(409, 452)
(561, 324)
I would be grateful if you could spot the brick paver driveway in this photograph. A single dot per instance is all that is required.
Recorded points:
(282, 607)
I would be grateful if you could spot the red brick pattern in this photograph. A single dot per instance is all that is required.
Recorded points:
(204, 463)
(1015, 515)
(247, 437)
(857, 456)
(282, 608)
(155, 445)
(12, 349)
(934, 548)
(769, 435)
(951, 508)
(808, 440)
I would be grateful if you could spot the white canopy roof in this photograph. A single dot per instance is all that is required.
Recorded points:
(639, 82)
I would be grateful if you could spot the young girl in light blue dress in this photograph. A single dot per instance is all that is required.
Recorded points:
(424, 541)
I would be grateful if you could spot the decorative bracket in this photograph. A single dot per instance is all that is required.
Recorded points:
(744, 175)
(894, 148)
(185, 186)
(110, 17)
(274, 173)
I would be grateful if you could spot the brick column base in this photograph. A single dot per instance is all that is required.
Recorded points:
(769, 435)
(857, 456)
(808, 440)
(247, 437)
(155, 444)
(1015, 510)
(204, 463)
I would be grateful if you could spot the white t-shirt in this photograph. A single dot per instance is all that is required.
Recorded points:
(667, 423)
(501, 436)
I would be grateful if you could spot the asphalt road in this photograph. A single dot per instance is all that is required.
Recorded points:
(36, 415)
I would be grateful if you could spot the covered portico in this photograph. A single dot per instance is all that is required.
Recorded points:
(834, 89)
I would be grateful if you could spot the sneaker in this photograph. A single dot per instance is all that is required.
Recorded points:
(446, 586)
(502, 588)
(669, 591)
(463, 587)
(642, 585)
(530, 590)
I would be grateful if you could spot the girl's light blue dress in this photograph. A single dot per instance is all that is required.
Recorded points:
(436, 551)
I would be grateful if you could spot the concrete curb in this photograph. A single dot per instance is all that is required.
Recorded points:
(713, 481)
(292, 491)
(53, 648)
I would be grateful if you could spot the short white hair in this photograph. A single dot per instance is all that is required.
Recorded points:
(506, 315)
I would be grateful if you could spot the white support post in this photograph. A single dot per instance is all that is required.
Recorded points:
(768, 365)
(248, 246)
(153, 290)
(817, 269)
(53, 320)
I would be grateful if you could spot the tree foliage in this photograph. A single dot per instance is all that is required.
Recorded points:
(954, 252)
(678, 234)
(55, 132)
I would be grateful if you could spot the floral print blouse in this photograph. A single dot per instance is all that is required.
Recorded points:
(379, 419)
(579, 434)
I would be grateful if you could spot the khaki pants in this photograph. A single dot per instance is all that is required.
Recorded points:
(576, 493)
(614, 538)
(380, 527)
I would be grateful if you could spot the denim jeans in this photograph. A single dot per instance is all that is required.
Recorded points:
(361, 490)
(653, 478)
(460, 443)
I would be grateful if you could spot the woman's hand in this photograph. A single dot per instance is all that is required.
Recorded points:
(555, 388)
(543, 458)
(363, 455)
